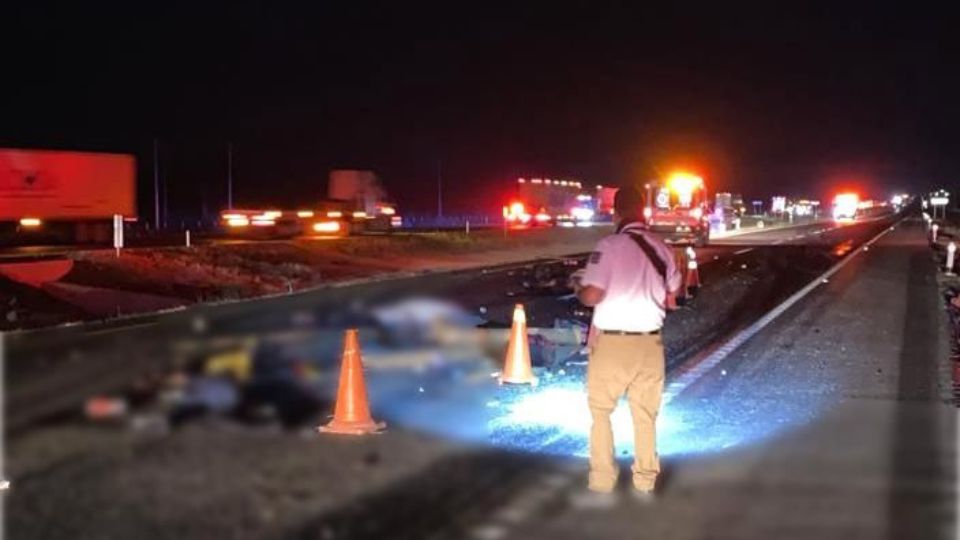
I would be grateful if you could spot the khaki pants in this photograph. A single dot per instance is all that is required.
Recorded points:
(633, 364)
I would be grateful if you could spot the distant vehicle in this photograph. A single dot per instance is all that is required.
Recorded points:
(845, 206)
(778, 204)
(677, 209)
(66, 196)
(723, 200)
(356, 203)
(872, 208)
(900, 201)
(736, 202)
(723, 219)
(604, 198)
(805, 208)
(727, 210)
(539, 202)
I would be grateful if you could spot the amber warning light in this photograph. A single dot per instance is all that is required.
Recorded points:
(326, 227)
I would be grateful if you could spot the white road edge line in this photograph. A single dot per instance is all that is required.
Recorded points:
(4, 481)
(703, 366)
(742, 251)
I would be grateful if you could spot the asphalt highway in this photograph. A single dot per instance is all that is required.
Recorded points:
(99, 355)
(832, 420)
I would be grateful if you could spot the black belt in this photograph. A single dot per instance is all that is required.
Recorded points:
(625, 333)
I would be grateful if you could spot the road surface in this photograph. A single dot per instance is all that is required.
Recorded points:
(833, 421)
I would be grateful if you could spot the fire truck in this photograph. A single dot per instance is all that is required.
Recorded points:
(677, 209)
(540, 202)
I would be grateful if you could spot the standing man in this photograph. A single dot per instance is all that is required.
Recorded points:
(627, 280)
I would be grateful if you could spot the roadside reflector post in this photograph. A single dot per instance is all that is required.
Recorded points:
(187, 238)
(933, 233)
(117, 233)
(683, 295)
(736, 224)
(693, 272)
(951, 253)
(760, 224)
(468, 226)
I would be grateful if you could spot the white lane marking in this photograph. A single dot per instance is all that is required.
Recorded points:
(742, 251)
(692, 372)
(489, 532)
(4, 482)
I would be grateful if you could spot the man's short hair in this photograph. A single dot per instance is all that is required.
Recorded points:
(628, 202)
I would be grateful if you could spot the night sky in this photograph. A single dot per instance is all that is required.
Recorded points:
(768, 101)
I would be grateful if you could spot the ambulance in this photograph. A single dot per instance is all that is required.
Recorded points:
(677, 209)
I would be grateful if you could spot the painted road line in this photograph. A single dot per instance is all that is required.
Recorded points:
(742, 251)
(696, 368)
(723, 235)
(4, 482)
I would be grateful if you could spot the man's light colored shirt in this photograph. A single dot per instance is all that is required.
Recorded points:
(635, 292)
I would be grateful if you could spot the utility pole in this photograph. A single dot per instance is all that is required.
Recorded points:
(230, 176)
(439, 189)
(166, 209)
(156, 186)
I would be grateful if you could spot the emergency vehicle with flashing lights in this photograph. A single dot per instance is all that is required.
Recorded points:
(604, 203)
(542, 202)
(356, 204)
(845, 206)
(677, 209)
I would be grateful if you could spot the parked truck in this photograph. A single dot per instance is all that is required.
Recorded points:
(64, 196)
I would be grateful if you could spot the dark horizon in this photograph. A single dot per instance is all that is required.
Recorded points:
(759, 102)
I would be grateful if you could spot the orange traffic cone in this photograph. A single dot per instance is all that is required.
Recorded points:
(670, 303)
(693, 270)
(517, 368)
(352, 413)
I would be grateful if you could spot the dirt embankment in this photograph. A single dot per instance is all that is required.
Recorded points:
(233, 270)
